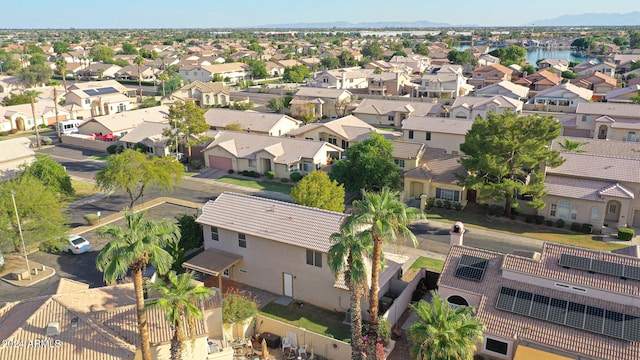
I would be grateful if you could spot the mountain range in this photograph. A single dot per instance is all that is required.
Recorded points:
(590, 19)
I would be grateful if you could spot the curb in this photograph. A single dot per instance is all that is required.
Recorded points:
(15, 282)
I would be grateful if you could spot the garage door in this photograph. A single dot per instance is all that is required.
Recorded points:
(220, 162)
(636, 219)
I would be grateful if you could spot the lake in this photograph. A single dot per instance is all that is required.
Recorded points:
(535, 54)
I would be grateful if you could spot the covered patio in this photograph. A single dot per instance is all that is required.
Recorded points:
(212, 262)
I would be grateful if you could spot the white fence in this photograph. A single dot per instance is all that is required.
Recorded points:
(401, 303)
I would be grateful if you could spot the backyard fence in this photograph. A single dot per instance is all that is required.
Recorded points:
(401, 303)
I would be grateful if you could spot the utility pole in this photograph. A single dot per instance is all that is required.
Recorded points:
(24, 248)
(35, 121)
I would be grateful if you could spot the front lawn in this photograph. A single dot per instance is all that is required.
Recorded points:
(312, 318)
(82, 189)
(262, 185)
(428, 263)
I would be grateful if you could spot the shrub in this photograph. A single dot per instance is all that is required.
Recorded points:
(230, 171)
(45, 140)
(576, 226)
(587, 228)
(254, 174)
(196, 164)
(270, 174)
(13, 131)
(384, 330)
(238, 305)
(438, 203)
(549, 222)
(457, 206)
(560, 223)
(429, 203)
(539, 219)
(496, 210)
(4, 133)
(112, 149)
(284, 180)
(91, 219)
(245, 172)
(295, 176)
(50, 246)
(529, 219)
(446, 204)
(42, 126)
(626, 234)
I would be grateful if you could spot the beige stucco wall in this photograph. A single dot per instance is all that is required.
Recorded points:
(449, 142)
(189, 352)
(264, 262)
(93, 127)
(282, 127)
(86, 143)
(414, 188)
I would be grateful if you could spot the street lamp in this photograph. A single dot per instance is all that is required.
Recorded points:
(24, 249)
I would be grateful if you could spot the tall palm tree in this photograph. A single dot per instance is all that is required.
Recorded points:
(347, 255)
(61, 65)
(32, 94)
(571, 146)
(386, 218)
(444, 332)
(179, 299)
(139, 61)
(163, 76)
(139, 243)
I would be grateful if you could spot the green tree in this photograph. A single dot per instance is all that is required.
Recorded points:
(582, 43)
(635, 99)
(568, 74)
(569, 145)
(296, 74)
(149, 101)
(139, 61)
(258, 68)
(163, 77)
(187, 124)
(347, 256)
(346, 59)
(317, 190)
(16, 99)
(504, 154)
(373, 51)
(173, 84)
(444, 332)
(35, 75)
(459, 57)
(61, 65)
(51, 173)
(129, 49)
(241, 105)
(41, 214)
(421, 49)
(386, 219)
(33, 49)
(512, 55)
(369, 166)
(101, 53)
(36, 59)
(133, 171)
(139, 243)
(280, 103)
(529, 69)
(180, 299)
(634, 40)
(619, 40)
(60, 47)
(330, 62)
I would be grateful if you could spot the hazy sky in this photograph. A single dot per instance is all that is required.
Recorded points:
(240, 13)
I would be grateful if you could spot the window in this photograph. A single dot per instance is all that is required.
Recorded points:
(427, 136)
(333, 141)
(410, 134)
(448, 194)
(214, 234)
(308, 138)
(294, 167)
(564, 209)
(574, 213)
(497, 346)
(613, 208)
(87, 101)
(595, 213)
(121, 107)
(399, 162)
(242, 240)
(225, 273)
(252, 163)
(391, 119)
(552, 210)
(314, 258)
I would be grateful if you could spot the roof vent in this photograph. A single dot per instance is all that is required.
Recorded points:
(74, 322)
(53, 328)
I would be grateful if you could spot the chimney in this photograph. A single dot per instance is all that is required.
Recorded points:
(456, 234)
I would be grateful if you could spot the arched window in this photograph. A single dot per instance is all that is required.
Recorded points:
(457, 300)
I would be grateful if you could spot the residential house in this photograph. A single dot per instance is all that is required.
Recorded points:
(415, 64)
(203, 94)
(239, 151)
(147, 73)
(561, 303)
(9, 83)
(599, 186)
(252, 122)
(288, 63)
(276, 246)
(561, 97)
(484, 76)
(436, 132)
(407, 155)
(590, 67)
(99, 71)
(20, 117)
(559, 65)
(274, 69)
(436, 177)
(342, 78)
(98, 323)
(604, 121)
(623, 95)
(598, 82)
(539, 81)
(149, 134)
(97, 98)
(120, 124)
(504, 88)
(624, 62)
(389, 83)
(13, 154)
(486, 59)
(321, 102)
(393, 112)
(448, 83)
(470, 107)
(229, 72)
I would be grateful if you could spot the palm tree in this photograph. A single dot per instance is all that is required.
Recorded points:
(61, 65)
(163, 76)
(32, 94)
(386, 218)
(139, 243)
(444, 332)
(347, 255)
(139, 61)
(179, 299)
(571, 146)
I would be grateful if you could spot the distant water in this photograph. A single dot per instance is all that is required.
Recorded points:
(535, 54)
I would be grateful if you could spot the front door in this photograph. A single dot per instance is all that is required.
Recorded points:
(613, 212)
(636, 219)
(287, 284)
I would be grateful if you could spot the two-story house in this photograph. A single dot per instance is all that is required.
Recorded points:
(393, 112)
(250, 121)
(470, 107)
(321, 102)
(389, 83)
(484, 76)
(539, 81)
(448, 83)
(342, 78)
(598, 82)
(97, 98)
(436, 132)
(604, 121)
(504, 88)
(203, 94)
(228, 72)
(562, 97)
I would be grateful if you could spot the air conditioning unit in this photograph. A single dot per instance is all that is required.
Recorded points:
(347, 317)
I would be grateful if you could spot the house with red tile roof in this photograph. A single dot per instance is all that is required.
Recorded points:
(484, 76)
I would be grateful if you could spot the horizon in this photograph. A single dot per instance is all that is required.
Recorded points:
(250, 14)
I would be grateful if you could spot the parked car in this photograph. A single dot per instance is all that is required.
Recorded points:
(76, 244)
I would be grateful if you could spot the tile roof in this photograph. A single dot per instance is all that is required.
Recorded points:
(438, 166)
(250, 120)
(147, 130)
(618, 92)
(518, 90)
(599, 167)
(437, 125)
(320, 92)
(609, 109)
(214, 87)
(622, 149)
(407, 150)
(273, 220)
(388, 107)
(575, 188)
(472, 102)
(564, 89)
(130, 119)
(527, 329)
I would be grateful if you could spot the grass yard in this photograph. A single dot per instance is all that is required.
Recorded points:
(83, 190)
(428, 263)
(476, 216)
(101, 157)
(310, 317)
(262, 185)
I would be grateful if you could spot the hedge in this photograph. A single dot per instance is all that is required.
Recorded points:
(626, 234)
